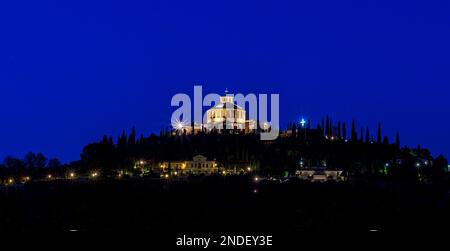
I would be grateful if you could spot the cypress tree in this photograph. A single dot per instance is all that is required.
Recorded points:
(386, 141)
(122, 141)
(354, 133)
(397, 140)
(105, 140)
(331, 128)
(339, 130)
(367, 135)
(132, 137)
(344, 130)
(323, 126)
(379, 134)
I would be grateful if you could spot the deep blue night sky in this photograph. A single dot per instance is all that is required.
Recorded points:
(71, 71)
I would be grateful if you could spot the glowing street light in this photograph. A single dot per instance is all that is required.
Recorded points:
(49, 176)
(178, 125)
(94, 175)
(249, 169)
(256, 179)
(72, 175)
(10, 181)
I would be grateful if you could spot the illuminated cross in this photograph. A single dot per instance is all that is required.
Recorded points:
(303, 122)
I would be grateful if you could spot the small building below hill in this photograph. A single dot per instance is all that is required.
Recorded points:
(199, 165)
(320, 175)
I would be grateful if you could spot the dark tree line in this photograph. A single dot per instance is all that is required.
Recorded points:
(31, 164)
(327, 145)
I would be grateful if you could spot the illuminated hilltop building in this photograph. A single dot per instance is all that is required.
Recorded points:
(225, 115)
(228, 115)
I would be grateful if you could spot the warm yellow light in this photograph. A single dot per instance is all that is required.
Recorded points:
(49, 176)
(167, 176)
(183, 166)
(249, 169)
(176, 173)
(223, 172)
(72, 175)
(94, 174)
(256, 179)
(10, 181)
(141, 162)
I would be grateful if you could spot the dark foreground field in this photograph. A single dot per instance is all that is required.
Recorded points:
(221, 205)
